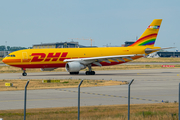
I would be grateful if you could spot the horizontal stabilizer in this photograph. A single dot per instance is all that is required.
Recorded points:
(151, 50)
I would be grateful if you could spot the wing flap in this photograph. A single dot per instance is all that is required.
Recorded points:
(97, 63)
(97, 60)
(121, 59)
(105, 60)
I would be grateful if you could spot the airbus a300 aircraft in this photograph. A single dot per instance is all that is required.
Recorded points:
(76, 59)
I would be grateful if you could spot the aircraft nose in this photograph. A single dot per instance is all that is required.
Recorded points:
(4, 60)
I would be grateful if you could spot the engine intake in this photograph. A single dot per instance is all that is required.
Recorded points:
(74, 67)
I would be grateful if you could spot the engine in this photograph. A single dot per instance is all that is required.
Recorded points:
(74, 67)
(47, 69)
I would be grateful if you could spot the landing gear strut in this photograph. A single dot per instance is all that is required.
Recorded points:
(24, 72)
(90, 72)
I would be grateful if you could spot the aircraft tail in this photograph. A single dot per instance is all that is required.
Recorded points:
(149, 35)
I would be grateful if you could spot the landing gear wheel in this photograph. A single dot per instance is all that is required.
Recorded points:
(74, 73)
(87, 72)
(90, 72)
(24, 74)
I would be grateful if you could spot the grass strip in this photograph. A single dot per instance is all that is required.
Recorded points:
(64, 83)
(158, 111)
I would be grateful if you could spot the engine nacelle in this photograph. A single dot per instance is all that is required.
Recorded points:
(47, 69)
(74, 67)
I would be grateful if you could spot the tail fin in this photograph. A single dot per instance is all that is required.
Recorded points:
(149, 35)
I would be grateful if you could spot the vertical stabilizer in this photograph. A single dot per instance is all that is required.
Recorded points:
(149, 35)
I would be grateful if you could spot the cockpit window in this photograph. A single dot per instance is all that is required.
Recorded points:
(11, 56)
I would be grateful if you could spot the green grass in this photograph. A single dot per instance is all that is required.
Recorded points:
(160, 111)
(67, 82)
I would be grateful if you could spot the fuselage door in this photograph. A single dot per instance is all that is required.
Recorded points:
(24, 57)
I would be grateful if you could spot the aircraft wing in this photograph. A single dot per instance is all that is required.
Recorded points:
(97, 60)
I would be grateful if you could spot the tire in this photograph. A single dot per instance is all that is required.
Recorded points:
(24, 74)
(71, 73)
(74, 73)
(87, 72)
(90, 73)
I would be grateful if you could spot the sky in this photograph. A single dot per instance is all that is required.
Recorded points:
(108, 22)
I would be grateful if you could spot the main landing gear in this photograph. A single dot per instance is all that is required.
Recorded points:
(74, 73)
(24, 72)
(90, 72)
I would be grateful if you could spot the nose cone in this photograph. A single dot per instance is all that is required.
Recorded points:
(4, 60)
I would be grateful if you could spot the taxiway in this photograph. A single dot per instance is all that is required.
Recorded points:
(150, 86)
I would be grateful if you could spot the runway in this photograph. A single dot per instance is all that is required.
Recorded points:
(150, 86)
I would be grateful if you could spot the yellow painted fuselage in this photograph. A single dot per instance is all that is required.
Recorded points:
(53, 58)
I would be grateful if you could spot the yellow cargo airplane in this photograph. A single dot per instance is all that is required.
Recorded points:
(76, 59)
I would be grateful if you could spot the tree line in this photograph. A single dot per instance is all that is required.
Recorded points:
(8, 48)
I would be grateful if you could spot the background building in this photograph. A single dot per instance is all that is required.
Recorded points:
(59, 45)
(168, 54)
(128, 43)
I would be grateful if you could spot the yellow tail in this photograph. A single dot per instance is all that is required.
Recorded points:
(149, 35)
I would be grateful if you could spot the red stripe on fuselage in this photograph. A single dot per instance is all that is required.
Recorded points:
(40, 65)
(59, 65)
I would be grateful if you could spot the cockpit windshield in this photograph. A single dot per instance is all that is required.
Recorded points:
(10, 56)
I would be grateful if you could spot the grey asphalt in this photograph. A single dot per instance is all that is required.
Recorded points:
(150, 86)
(2, 64)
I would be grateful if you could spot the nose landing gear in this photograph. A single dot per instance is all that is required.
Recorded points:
(24, 72)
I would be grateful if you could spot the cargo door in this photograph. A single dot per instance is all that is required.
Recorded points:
(25, 57)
